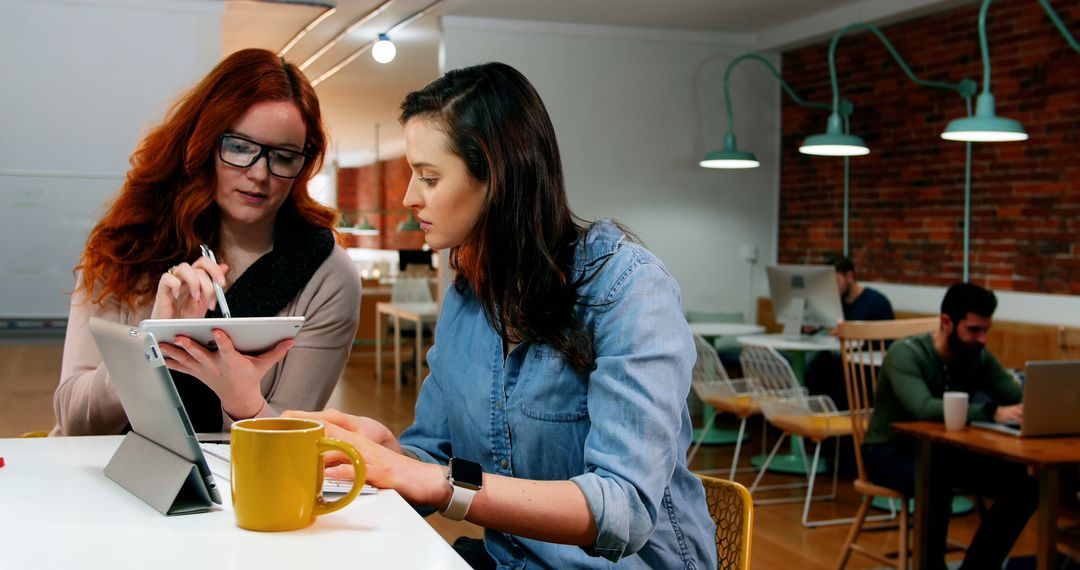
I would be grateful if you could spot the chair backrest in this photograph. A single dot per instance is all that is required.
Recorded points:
(769, 372)
(708, 367)
(732, 509)
(411, 290)
(1069, 342)
(862, 344)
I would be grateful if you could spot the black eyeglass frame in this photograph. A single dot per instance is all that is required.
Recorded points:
(264, 150)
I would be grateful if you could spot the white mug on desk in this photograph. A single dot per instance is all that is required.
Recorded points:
(956, 407)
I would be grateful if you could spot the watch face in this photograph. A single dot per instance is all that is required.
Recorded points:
(466, 473)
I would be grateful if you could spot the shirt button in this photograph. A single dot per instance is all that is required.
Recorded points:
(503, 464)
(498, 405)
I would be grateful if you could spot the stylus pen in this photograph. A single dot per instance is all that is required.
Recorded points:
(218, 292)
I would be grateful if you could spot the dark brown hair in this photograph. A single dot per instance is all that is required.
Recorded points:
(519, 256)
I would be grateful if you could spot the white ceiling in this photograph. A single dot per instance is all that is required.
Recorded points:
(364, 92)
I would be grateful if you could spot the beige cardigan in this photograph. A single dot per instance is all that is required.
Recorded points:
(87, 404)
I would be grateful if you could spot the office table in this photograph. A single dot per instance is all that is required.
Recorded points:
(58, 510)
(1045, 455)
(713, 330)
(418, 313)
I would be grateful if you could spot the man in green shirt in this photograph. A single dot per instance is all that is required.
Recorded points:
(915, 375)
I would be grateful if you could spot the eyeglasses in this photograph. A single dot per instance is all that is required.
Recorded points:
(240, 152)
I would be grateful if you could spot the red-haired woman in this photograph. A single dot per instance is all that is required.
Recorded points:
(228, 167)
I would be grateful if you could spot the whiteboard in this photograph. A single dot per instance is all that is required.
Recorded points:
(45, 218)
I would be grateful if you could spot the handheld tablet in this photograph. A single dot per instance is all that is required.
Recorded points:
(248, 334)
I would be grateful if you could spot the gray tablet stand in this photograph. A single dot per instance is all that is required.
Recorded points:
(161, 478)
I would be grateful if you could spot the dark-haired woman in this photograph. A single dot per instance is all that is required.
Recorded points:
(228, 167)
(559, 379)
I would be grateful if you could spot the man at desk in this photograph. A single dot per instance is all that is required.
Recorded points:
(915, 375)
(825, 374)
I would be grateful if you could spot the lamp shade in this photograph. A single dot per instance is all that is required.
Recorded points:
(364, 228)
(834, 145)
(985, 126)
(834, 142)
(731, 157)
(409, 225)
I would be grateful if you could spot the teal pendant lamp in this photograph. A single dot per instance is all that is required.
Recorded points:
(409, 225)
(364, 228)
(986, 126)
(834, 142)
(731, 157)
(837, 141)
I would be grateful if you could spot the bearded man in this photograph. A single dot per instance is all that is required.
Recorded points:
(916, 373)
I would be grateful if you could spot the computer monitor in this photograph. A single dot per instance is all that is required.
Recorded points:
(804, 294)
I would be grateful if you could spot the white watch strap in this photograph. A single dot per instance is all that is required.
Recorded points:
(460, 501)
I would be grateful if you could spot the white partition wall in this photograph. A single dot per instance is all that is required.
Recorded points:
(82, 80)
(634, 111)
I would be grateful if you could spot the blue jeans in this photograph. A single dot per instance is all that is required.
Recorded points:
(1015, 495)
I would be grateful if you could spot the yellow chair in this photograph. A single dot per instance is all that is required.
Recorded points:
(862, 348)
(732, 510)
(714, 387)
(787, 407)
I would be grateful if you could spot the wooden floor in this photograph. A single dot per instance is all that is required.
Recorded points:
(29, 373)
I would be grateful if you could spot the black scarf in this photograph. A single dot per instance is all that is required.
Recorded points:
(263, 290)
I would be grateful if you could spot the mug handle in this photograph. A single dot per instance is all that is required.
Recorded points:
(327, 444)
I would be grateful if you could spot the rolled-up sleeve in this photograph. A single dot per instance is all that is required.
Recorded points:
(644, 357)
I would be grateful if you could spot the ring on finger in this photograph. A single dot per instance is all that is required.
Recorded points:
(172, 270)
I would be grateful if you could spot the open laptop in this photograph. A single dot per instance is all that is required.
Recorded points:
(1051, 401)
(147, 392)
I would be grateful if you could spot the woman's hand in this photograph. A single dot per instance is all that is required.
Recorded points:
(233, 376)
(387, 468)
(186, 291)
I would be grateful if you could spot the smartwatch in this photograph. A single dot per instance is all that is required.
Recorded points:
(465, 478)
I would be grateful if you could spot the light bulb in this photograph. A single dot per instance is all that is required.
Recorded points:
(384, 50)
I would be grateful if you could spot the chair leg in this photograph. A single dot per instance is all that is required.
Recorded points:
(768, 460)
(701, 438)
(738, 447)
(853, 535)
(902, 560)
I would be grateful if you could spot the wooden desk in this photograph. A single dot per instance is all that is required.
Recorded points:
(58, 510)
(1045, 455)
(418, 313)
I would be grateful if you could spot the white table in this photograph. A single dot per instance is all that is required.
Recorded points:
(725, 329)
(418, 313)
(58, 510)
(798, 345)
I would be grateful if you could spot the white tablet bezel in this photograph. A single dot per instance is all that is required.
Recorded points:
(250, 335)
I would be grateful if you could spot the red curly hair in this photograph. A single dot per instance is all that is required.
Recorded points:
(166, 206)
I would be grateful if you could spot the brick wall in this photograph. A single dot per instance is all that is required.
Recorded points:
(359, 197)
(906, 222)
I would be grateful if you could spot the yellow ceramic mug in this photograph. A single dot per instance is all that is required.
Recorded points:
(277, 473)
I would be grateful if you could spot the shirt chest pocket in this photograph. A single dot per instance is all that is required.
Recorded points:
(550, 390)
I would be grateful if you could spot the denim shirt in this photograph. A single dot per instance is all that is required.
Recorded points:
(620, 432)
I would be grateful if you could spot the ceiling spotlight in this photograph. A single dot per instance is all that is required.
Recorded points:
(383, 51)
